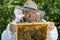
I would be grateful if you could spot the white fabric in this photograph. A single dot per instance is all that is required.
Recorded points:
(18, 12)
(8, 35)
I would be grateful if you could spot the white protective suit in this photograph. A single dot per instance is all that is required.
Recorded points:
(8, 35)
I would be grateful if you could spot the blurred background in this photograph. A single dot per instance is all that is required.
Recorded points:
(51, 7)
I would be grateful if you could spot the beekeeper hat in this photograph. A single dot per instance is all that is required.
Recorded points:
(30, 6)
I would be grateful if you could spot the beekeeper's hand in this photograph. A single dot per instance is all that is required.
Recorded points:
(50, 26)
(13, 27)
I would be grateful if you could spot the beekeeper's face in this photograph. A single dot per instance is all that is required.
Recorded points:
(30, 16)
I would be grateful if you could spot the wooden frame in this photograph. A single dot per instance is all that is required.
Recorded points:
(32, 31)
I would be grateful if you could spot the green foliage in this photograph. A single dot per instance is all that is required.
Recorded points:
(52, 8)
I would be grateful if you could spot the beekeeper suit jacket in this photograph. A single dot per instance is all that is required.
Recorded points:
(8, 35)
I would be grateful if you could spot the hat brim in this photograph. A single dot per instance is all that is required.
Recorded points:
(41, 12)
(29, 9)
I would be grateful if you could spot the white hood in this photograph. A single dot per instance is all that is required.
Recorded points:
(18, 12)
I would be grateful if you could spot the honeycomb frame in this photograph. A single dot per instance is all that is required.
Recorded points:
(28, 29)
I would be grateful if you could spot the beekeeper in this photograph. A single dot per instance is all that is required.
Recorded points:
(28, 13)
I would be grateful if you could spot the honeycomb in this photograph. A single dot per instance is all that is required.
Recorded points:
(31, 31)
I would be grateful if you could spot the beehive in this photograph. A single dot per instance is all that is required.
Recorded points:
(31, 31)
